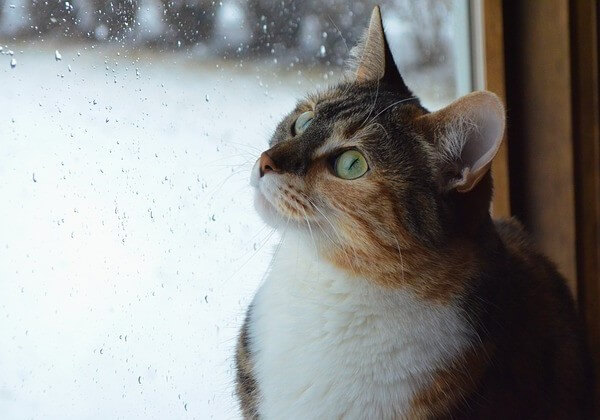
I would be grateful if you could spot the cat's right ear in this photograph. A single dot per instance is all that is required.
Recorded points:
(371, 59)
(467, 135)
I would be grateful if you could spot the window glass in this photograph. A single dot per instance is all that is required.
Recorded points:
(129, 248)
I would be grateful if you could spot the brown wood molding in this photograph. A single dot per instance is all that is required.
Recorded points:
(494, 82)
(586, 147)
(552, 66)
(540, 125)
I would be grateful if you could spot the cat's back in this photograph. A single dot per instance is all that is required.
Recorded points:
(539, 367)
(518, 242)
(533, 277)
(529, 265)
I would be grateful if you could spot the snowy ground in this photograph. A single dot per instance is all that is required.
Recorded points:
(129, 247)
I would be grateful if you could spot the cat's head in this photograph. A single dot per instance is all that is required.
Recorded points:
(367, 172)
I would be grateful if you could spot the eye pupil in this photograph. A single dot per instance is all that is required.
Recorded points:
(350, 165)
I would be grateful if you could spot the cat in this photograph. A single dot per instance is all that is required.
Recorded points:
(393, 293)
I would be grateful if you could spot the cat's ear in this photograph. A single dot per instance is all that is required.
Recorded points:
(371, 59)
(468, 134)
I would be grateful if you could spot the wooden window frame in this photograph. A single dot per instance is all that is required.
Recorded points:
(487, 45)
(542, 58)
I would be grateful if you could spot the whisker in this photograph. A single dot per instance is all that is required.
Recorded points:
(382, 127)
(310, 230)
(339, 32)
(278, 246)
(258, 233)
(350, 243)
(339, 245)
(266, 240)
(334, 244)
(232, 156)
(401, 260)
(235, 165)
(392, 105)
(243, 145)
(372, 106)
(218, 187)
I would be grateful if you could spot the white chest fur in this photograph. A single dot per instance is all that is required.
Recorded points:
(327, 345)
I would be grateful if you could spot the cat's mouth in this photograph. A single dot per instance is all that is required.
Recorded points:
(279, 201)
(282, 202)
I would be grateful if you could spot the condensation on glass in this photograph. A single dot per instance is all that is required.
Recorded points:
(128, 243)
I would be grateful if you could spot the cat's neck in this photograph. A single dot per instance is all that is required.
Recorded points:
(439, 275)
(300, 272)
(352, 336)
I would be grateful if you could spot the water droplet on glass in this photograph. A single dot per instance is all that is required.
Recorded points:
(13, 63)
(206, 98)
(323, 51)
(139, 380)
(33, 177)
(57, 56)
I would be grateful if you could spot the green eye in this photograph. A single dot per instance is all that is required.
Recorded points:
(303, 122)
(351, 165)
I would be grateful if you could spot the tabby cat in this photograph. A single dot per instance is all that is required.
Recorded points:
(393, 294)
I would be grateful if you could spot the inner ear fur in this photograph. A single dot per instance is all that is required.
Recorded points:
(370, 51)
(467, 136)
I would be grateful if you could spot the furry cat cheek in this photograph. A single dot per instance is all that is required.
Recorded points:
(282, 197)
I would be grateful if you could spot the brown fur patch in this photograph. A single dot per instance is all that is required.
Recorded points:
(451, 386)
(246, 386)
(374, 245)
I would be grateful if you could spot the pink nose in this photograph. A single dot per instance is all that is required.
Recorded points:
(267, 164)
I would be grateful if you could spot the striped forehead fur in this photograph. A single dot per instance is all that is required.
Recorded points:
(345, 134)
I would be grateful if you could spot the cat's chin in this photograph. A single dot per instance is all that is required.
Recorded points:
(266, 210)
(263, 187)
(269, 214)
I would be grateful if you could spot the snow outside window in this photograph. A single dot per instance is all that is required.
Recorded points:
(129, 247)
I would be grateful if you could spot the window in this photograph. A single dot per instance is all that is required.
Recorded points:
(129, 245)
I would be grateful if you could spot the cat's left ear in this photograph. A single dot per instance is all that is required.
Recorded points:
(372, 57)
(467, 136)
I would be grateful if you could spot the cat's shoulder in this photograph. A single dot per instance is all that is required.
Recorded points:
(527, 260)
(512, 233)
(517, 241)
